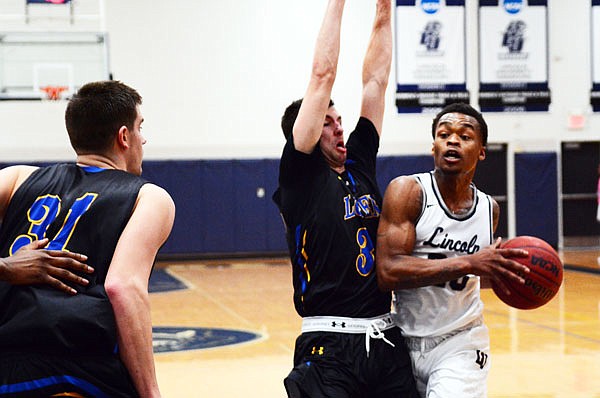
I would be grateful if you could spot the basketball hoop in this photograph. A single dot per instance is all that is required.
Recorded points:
(53, 93)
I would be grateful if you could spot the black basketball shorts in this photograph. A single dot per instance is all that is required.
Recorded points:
(39, 375)
(328, 364)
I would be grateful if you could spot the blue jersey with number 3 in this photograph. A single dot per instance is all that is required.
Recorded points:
(79, 210)
(331, 222)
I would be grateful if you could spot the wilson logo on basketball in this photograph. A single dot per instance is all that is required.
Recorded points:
(545, 265)
(541, 283)
(539, 290)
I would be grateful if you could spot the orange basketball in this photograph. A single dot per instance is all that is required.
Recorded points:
(544, 280)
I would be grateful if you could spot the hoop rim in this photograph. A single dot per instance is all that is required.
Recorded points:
(54, 93)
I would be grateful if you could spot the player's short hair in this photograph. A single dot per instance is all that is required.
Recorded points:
(97, 111)
(465, 109)
(289, 117)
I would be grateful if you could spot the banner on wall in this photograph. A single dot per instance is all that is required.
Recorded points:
(595, 28)
(513, 55)
(430, 54)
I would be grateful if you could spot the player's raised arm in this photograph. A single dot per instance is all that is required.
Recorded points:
(309, 123)
(376, 66)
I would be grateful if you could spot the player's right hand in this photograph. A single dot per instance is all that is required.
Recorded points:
(31, 265)
(497, 264)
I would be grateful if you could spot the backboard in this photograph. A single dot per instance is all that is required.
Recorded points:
(32, 61)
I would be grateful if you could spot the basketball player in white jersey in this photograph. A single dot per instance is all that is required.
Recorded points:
(435, 245)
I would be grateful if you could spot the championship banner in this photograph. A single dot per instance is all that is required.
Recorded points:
(595, 96)
(430, 54)
(513, 55)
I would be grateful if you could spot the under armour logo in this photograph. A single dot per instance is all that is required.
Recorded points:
(319, 351)
(336, 324)
(482, 358)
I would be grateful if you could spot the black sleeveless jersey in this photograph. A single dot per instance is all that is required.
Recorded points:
(81, 210)
(331, 226)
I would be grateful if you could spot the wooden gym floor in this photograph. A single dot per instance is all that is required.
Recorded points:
(550, 352)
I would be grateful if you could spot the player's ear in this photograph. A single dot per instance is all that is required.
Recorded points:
(123, 137)
(482, 153)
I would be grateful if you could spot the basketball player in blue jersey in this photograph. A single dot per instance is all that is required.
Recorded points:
(98, 342)
(435, 244)
(330, 202)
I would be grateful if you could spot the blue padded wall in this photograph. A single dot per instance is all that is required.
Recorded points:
(221, 208)
(219, 211)
(220, 204)
(390, 167)
(536, 195)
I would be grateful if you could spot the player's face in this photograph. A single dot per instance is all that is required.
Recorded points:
(137, 142)
(332, 139)
(457, 145)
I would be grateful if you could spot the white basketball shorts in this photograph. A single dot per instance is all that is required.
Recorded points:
(456, 366)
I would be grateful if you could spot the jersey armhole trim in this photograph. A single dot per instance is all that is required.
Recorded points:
(423, 198)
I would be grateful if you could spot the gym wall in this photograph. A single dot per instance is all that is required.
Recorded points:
(216, 76)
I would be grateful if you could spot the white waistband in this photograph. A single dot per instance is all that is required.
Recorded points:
(372, 327)
(428, 343)
(345, 325)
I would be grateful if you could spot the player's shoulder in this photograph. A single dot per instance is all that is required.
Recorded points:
(154, 193)
(403, 198)
(155, 202)
(19, 170)
(405, 185)
(17, 174)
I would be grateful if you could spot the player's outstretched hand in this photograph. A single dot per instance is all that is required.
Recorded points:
(30, 265)
(497, 264)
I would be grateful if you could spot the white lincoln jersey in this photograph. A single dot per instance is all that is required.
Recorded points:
(439, 309)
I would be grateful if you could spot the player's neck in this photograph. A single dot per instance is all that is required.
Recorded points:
(97, 160)
(338, 169)
(454, 187)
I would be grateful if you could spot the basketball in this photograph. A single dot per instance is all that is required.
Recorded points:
(544, 280)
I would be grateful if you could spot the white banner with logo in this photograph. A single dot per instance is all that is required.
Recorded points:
(513, 55)
(595, 97)
(430, 54)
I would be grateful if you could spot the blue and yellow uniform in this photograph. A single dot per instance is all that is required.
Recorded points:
(331, 226)
(51, 342)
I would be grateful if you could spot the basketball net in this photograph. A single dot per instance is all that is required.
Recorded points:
(53, 93)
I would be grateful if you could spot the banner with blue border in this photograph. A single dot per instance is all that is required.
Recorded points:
(513, 56)
(430, 54)
(595, 40)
